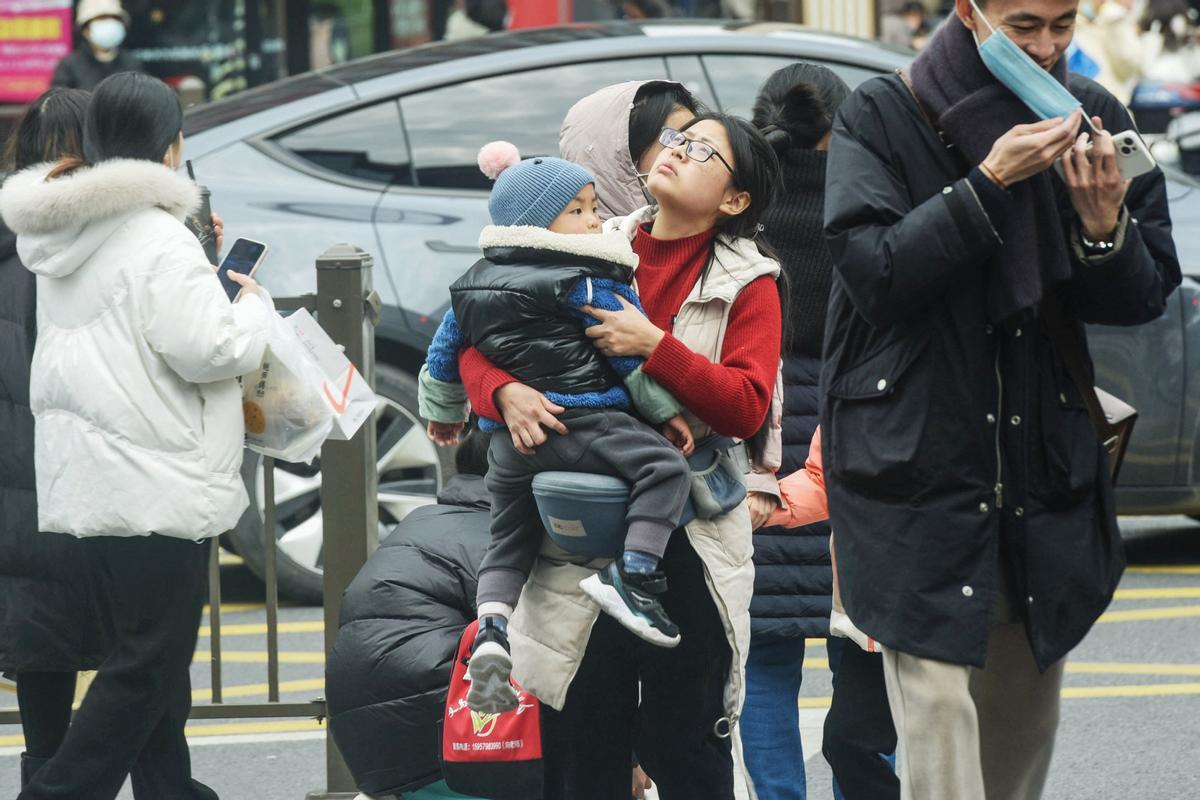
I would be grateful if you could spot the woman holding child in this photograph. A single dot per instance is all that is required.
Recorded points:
(710, 336)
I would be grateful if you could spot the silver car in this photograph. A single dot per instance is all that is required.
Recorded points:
(381, 153)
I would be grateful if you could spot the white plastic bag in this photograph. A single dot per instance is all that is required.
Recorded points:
(285, 411)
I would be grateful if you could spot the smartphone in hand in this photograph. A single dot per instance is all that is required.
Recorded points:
(245, 257)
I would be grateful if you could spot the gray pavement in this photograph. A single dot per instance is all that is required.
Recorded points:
(1130, 723)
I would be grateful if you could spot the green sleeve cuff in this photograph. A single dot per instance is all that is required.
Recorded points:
(651, 400)
(440, 401)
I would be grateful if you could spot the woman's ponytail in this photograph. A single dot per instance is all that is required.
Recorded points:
(796, 105)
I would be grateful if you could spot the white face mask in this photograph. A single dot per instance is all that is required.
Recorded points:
(107, 34)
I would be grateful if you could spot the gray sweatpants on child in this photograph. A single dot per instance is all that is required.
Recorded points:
(606, 442)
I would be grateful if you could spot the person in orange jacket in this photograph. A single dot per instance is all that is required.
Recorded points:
(859, 732)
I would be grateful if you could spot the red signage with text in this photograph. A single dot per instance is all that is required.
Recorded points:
(34, 36)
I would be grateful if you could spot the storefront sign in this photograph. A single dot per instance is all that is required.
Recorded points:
(34, 36)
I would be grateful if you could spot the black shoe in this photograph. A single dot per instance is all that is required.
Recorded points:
(490, 670)
(632, 598)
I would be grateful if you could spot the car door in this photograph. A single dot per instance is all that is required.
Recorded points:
(309, 187)
(428, 230)
(1147, 366)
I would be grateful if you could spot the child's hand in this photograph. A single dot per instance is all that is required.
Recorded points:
(641, 783)
(679, 433)
(444, 434)
(762, 506)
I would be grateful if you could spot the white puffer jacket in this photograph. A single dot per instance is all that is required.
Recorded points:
(138, 413)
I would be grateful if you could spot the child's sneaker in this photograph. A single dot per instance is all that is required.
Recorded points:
(632, 599)
(489, 669)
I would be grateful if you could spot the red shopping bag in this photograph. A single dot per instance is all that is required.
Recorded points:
(497, 756)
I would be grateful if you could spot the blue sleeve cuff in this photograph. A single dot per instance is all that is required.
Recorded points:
(442, 357)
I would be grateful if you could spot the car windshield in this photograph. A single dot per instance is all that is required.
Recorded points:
(1183, 193)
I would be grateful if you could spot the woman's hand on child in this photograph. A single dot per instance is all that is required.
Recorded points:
(527, 413)
(679, 433)
(627, 332)
(762, 506)
(444, 434)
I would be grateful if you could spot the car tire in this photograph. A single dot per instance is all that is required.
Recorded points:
(411, 472)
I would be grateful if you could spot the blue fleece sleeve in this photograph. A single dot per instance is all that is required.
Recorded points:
(442, 356)
(602, 293)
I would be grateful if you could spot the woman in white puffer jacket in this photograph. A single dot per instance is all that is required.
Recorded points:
(138, 443)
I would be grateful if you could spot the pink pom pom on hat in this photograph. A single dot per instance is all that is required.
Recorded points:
(495, 157)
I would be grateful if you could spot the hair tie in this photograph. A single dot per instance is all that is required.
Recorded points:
(779, 139)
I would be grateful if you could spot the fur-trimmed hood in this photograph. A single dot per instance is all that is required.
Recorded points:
(610, 246)
(59, 223)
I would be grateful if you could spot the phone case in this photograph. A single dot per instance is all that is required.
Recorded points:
(1133, 157)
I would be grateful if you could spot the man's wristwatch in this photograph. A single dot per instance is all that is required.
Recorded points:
(1099, 248)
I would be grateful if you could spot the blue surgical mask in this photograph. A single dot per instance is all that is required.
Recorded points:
(107, 34)
(1013, 67)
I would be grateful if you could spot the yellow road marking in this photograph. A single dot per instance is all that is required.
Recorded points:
(814, 642)
(1128, 668)
(1171, 593)
(253, 689)
(236, 608)
(254, 629)
(260, 657)
(228, 559)
(221, 729)
(1153, 690)
(1147, 614)
(1165, 569)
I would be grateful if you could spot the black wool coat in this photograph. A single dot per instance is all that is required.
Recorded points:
(793, 579)
(950, 443)
(401, 621)
(82, 70)
(46, 620)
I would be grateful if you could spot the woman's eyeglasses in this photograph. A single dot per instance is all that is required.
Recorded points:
(696, 150)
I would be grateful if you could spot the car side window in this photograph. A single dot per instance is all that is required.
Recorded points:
(447, 126)
(736, 79)
(366, 143)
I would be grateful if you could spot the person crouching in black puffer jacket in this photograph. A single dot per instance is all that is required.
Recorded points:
(402, 618)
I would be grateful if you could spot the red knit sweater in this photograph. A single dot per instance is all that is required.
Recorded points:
(733, 396)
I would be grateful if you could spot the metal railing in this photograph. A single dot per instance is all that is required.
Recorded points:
(347, 308)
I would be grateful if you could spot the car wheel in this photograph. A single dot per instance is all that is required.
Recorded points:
(411, 472)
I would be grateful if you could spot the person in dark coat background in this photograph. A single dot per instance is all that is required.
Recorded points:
(402, 618)
(102, 26)
(47, 630)
(793, 579)
(968, 490)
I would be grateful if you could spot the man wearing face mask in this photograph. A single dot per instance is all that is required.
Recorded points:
(102, 26)
(970, 494)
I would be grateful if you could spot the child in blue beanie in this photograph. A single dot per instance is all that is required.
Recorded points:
(543, 259)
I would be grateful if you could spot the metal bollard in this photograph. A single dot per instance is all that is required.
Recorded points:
(349, 470)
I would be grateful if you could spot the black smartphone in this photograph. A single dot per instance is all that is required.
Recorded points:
(245, 257)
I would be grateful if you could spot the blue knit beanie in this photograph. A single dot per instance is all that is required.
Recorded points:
(529, 192)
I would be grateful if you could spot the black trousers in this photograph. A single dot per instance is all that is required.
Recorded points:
(859, 728)
(45, 700)
(589, 746)
(149, 592)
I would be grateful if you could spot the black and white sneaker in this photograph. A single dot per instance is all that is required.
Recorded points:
(632, 599)
(489, 669)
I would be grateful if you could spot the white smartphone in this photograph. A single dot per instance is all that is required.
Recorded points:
(1133, 156)
(244, 257)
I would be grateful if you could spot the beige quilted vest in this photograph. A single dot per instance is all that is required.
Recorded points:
(550, 628)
